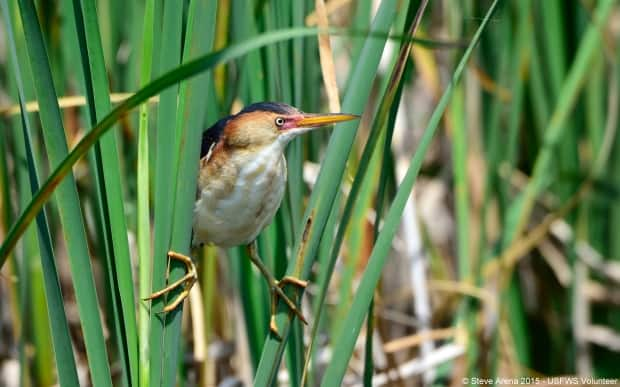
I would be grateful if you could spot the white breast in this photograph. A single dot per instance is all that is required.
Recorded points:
(239, 217)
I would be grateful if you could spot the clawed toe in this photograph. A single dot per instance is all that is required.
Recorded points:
(293, 281)
(273, 327)
(186, 282)
(276, 289)
(277, 292)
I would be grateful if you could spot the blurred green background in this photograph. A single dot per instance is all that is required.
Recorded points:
(466, 229)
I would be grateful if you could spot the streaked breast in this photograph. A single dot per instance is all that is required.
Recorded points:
(238, 196)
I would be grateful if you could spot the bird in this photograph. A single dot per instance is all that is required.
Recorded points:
(241, 182)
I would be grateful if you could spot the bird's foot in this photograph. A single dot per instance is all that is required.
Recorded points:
(277, 292)
(276, 289)
(187, 281)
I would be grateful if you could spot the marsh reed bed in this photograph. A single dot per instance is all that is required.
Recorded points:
(465, 230)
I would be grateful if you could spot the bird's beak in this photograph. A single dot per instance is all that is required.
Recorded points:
(316, 120)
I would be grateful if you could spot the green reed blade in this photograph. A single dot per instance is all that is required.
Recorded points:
(190, 120)
(166, 156)
(589, 46)
(109, 168)
(143, 221)
(68, 202)
(59, 327)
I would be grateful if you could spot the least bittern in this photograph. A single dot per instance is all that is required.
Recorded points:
(241, 183)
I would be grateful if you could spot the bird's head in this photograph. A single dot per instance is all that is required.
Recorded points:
(264, 123)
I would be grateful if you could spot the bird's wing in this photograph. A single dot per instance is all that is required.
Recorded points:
(211, 137)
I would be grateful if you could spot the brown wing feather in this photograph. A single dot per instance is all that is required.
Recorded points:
(211, 136)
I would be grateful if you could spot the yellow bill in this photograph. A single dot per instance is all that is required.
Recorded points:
(314, 120)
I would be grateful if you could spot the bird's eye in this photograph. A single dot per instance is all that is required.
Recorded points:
(279, 121)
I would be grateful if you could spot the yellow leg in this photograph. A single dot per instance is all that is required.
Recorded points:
(187, 281)
(276, 289)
